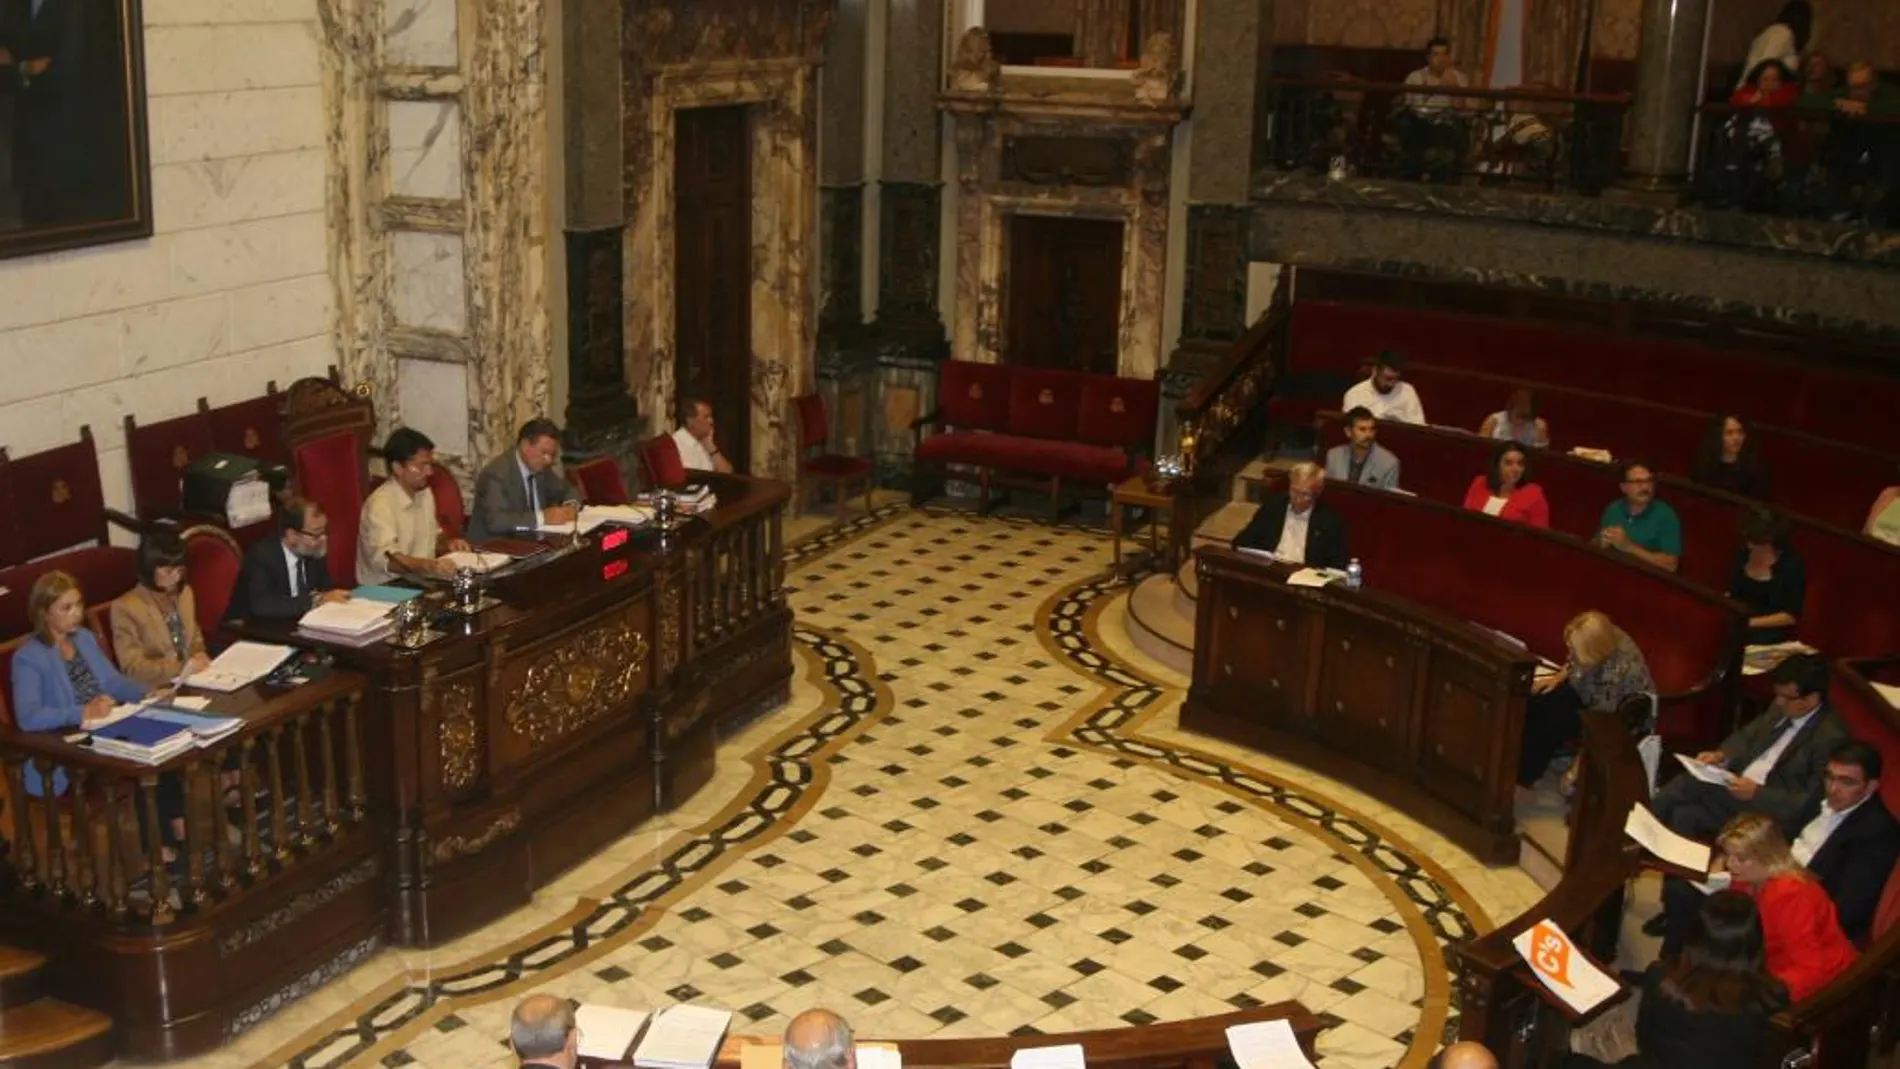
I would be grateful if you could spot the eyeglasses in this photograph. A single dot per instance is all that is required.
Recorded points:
(314, 534)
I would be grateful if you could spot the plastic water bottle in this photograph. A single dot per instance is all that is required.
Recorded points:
(1355, 575)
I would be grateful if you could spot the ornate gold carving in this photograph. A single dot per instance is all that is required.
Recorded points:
(252, 439)
(976, 391)
(578, 681)
(669, 627)
(1046, 397)
(459, 736)
(180, 456)
(455, 846)
(61, 492)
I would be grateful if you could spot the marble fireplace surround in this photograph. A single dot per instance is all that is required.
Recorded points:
(779, 94)
(987, 200)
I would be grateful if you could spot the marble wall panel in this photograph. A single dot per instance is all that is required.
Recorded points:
(432, 397)
(428, 281)
(425, 149)
(1371, 23)
(420, 33)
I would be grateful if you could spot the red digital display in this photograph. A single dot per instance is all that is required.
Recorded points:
(613, 569)
(615, 538)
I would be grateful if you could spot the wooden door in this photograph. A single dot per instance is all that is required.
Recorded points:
(712, 269)
(1063, 294)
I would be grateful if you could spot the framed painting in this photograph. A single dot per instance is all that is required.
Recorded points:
(75, 168)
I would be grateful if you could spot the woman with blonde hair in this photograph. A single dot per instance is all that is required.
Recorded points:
(1604, 668)
(1805, 945)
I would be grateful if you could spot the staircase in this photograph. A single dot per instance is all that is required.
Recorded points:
(37, 1032)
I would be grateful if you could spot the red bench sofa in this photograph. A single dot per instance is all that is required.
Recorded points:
(1035, 428)
(1849, 607)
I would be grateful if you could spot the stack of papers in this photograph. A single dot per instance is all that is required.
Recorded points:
(141, 738)
(1315, 577)
(1067, 1056)
(1715, 774)
(1601, 456)
(1563, 969)
(479, 562)
(353, 622)
(1654, 837)
(205, 729)
(682, 1037)
(608, 1032)
(240, 665)
(1759, 659)
(1266, 1045)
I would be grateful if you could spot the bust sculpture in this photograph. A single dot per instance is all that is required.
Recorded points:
(975, 70)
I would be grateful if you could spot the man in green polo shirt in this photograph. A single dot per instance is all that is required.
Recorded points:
(1638, 524)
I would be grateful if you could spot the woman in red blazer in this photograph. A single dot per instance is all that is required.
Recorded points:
(1806, 947)
(1506, 490)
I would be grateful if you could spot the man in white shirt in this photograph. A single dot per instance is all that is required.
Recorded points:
(1431, 131)
(1849, 843)
(1779, 760)
(399, 530)
(1385, 394)
(699, 451)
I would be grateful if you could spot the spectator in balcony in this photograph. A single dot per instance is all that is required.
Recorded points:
(1800, 927)
(1709, 1008)
(1518, 422)
(1385, 394)
(1726, 460)
(1431, 132)
(1605, 668)
(1769, 85)
(1782, 40)
(1506, 490)
(1362, 459)
(1860, 161)
(1638, 524)
(1864, 94)
(1768, 577)
(1818, 76)
(1883, 519)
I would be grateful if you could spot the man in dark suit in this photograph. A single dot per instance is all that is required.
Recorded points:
(285, 577)
(520, 490)
(1849, 842)
(1295, 527)
(1779, 760)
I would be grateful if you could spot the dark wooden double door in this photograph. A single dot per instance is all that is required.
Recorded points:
(1062, 304)
(712, 270)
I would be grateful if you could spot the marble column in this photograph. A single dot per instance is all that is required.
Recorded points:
(910, 191)
(841, 181)
(601, 414)
(1668, 77)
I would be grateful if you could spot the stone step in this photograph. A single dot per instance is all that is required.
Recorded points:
(50, 1034)
(1158, 627)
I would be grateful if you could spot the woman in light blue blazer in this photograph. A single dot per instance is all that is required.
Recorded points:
(61, 678)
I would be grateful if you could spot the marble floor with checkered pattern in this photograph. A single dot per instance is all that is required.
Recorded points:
(975, 816)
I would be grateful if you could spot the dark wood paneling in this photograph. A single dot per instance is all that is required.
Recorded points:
(1063, 308)
(712, 261)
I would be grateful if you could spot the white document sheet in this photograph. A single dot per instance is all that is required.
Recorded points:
(1067, 1056)
(1717, 881)
(608, 1032)
(1654, 837)
(1266, 1045)
(479, 562)
(1563, 969)
(240, 665)
(682, 1037)
(1313, 577)
(1715, 774)
(772, 1056)
(353, 616)
(1889, 692)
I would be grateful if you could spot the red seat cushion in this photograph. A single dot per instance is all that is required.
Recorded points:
(974, 396)
(103, 573)
(661, 455)
(600, 481)
(212, 565)
(1117, 411)
(1045, 404)
(451, 514)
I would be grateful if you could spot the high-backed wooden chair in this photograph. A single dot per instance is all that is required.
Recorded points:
(328, 432)
(51, 501)
(599, 479)
(103, 573)
(451, 512)
(158, 454)
(660, 465)
(212, 564)
(822, 469)
(249, 428)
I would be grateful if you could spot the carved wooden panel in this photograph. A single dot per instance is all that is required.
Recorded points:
(1258, 655)
(459, 735)
(557, 687)
(1367, 674)
(1067, 161)
(1468, 728)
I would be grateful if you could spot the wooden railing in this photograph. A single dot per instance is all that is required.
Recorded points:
(1799, 162)
(1539, 138)
(262, 801)
(745, 543)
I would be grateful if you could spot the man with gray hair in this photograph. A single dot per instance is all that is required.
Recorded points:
(542, 1032)
(1295, 527)
(819, 1039)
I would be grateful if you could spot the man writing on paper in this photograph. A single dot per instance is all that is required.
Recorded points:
(542, 1033)
(694, 438)
(1849, 843)
(1779, 758)
(519, 492)
(1295, 527)
(819, 1039)
(285, 577)
(399, 531)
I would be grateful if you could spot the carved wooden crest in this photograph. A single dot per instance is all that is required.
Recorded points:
(579, 681)
(252, 439)
(460, 736)
(1046, 397)
(61, 492)
(976, 391)
(180, 457)
(1117, 405)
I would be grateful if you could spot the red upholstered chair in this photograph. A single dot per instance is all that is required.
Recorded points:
(451, 513)
(835, 470)
(250, 428)
(212, 564)
(103, 573)
(158, 453)
(599, 480)
(99, 618)
(660, 463)
(328, 471)
(6, 679)
(51, 501)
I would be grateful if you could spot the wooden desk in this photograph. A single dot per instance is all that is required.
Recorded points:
(466, 774)
(1136, 493)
